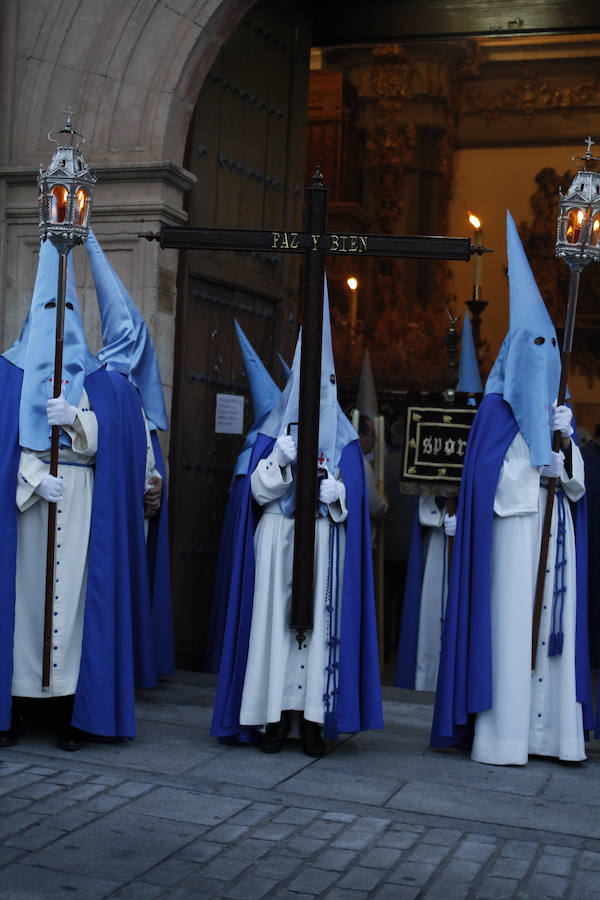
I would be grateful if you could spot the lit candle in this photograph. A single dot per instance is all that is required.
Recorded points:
(478, 240)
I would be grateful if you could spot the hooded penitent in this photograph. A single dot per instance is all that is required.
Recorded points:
(366, 402)
(33, 351)
(264, 393)
(469, 378)
(127, 345)
(527, 370)
(335, 431)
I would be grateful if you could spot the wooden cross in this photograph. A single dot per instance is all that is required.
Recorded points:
(314, 243)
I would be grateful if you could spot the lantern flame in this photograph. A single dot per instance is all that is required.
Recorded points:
(352, 283)
(579, 216)
(474, 221)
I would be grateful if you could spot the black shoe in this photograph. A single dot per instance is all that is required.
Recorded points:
(312, 742)
(11, 737)
(68, 739)
(274, 737)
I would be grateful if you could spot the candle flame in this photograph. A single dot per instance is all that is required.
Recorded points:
(352, 283)
(579, 216)
(474, 221)
(596, 225)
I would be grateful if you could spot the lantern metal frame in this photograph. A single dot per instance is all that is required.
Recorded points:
(578, 222)
(67, 170)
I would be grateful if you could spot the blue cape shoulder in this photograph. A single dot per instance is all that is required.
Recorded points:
(358, 704)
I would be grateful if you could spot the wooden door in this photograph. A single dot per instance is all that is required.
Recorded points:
(246, 147)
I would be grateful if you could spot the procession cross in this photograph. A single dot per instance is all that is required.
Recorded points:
(315, 244)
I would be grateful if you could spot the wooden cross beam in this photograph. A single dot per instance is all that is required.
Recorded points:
(315, 243)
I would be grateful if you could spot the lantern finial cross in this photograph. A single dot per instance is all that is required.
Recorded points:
(590, 143)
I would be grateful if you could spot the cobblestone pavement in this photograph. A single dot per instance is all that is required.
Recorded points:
(176, 815)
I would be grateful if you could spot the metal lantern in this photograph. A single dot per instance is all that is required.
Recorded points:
(66, 192)
(578, 224)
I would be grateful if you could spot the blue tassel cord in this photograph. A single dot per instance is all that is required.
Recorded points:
(556, 638)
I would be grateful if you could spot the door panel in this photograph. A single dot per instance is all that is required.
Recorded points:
(243, 147)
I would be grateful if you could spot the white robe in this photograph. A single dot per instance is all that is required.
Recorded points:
(73, 518)
(279, 674)
(434, 593)
(532, 713)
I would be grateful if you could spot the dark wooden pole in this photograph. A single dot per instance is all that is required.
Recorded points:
(58, 358)
(308, 425)
(562, 393)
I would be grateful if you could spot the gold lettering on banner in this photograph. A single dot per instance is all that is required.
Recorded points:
(284, 244)
(294, 241)
(276, 239)
(335, 243)
(315, 239)
(283, 240)
(353, 243)
(344, 237)
(363, 241)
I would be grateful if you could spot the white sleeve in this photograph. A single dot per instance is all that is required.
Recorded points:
(574, 487)
(518, 487)
(430, 514)
(30, 473)
(269, 481)
(338, 510)
(84, 430)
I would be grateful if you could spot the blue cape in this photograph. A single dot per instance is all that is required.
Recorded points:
(229, 535)
(591, 458)
(159, 570)
(465, 677)
(358, 705)
(406, 659)
(117, 572)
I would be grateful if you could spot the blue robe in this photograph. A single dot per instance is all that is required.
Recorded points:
(406, 659)
(117, 571)
(591, 458)
(358, 703)
(465, 676)
(218, 615)
(159, 570)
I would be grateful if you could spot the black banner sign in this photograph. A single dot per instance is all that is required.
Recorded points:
(436, 440)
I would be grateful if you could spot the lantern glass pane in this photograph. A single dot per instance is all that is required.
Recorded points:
(574, 220)
(59, 198)
(81, 206)
(595, 232)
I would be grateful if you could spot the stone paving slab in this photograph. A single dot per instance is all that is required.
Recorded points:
(175, 815)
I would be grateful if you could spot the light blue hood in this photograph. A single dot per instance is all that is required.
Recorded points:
(469, 378)
(265, 395)
(127, 345)
(526, 373)
(33, 351)
(335, 431)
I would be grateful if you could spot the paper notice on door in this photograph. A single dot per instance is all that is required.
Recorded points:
(229, 417)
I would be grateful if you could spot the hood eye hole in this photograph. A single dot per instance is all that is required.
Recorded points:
(69, 305)
(539, 340)
(554, 342)
(50, 304)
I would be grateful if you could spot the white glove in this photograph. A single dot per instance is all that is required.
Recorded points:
(328, 490)
(50, 488)
(285, 450)
(60, 412)
(561, 419)
(449, 524)
(554, 470)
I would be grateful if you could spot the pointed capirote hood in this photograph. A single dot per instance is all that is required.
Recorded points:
(126, 343)
(265, 395)
(527, 369)
(33, 351)
(284, 367)
(366, 401)
(469, 378)
(335, 431)
(263, 390)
